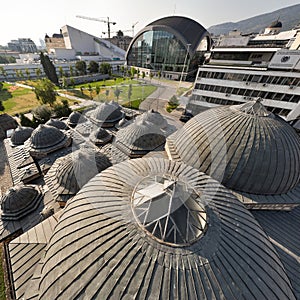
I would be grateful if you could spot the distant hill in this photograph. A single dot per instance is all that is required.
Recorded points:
(289, 16)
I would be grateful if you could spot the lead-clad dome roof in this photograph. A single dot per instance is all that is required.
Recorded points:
(75, 118)
(71, 172)
(139, 138)
(158, 229)
(107, 114)
(46, 139)
(153, 117)
(19, 201)
(244, 146)
(57, 123)
(20, 135)
(100, 136)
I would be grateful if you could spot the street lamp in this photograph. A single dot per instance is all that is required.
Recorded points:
(187, 52)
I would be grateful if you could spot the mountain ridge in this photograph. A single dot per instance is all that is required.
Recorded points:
(288, 16)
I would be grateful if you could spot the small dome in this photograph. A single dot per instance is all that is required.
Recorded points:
(245, 147)
(275, 24)
(107, 114)
(157, 229)
(140, 137)
(46, 139)
(100, 136)
(75, 118)
(19, 201)
(71, 172)
(153, 117)
(57, 123)
(20, 135)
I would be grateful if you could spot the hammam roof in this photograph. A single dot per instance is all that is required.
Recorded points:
(107, 114)
(57, 123)
(19, 201)
(69, 173)
(153, 117)
(157, 229)
(75, 118)
(100, 136)
(46, 139)
(20, 135)
(139, 138)
(244, 146)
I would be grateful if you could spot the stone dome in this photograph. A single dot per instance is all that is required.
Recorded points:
(57, 123)
(139, 138)
(71, 172)
(100, 136)
(153, 117)
(107, 114)
(46, 139)
(275, 24)
(19, 201)
(20, 135)
(245, 147)
(159, 229)
(75, 118)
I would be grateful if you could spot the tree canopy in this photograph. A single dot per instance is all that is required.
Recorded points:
(81, 67)
(45, 92)
(93, 67)
(49, 68)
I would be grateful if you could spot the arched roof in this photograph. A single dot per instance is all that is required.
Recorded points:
(113, 250)
(20, 135)
(46, 139)
(244, 146)
(57, 123)
(139, 138)
(19, 201)
(185, 29)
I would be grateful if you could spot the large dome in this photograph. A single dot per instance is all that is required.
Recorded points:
(140, 137)
(244, 146)
(71, 172)
(19, 201)
(46, 139)
(157, 229)
(20, 135)
(154, 118)
(107, 114)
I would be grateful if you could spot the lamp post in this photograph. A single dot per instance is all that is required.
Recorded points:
(187, 52)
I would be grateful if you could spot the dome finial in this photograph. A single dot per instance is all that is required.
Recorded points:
(255, 108)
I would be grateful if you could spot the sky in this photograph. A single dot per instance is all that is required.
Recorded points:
(34, 18)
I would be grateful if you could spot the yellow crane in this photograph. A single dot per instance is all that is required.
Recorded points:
(100, 20)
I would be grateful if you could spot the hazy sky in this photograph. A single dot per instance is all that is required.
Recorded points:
(35, 18)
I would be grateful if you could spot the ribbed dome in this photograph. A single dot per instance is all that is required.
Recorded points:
(19, 201)
(153, 117)
(100, 136)
(139, 138)
(107, 114)
(20, 135)
(245, 147)
(123, 240)
(57, 123)
(46, 139)
(275, 24)
(75, 118)
(71, 172)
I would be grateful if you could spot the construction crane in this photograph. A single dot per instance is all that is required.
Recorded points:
(117, 31)
(100, 20)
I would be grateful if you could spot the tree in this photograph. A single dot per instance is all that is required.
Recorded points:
(62, 110)
(105, 68)
(1, 86)
(45, 92)
(93, 67)
(151, 76)
(3, 72)
(97, 89)
(2, 108)
(81, 67)
(49, 68)
(38, 72)
(27, 73)
(71, 71)
(143, 74)
(117, 92)
(106, 94)
(129, 94)
(60, 71)
(42, 113)
(26, 122)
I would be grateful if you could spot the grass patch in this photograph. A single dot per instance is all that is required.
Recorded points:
(108, 82)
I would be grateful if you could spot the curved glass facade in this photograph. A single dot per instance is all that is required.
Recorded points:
(158, 50)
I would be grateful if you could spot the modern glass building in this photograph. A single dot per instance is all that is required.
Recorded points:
(171, 45)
